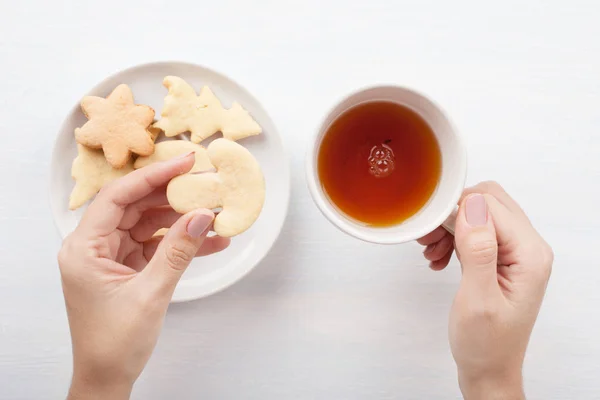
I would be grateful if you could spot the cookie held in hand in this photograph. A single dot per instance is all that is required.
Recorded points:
(91, 172)
(161, 232)
(164, 151)
(116, 125)
(202, 115)
(238, 186)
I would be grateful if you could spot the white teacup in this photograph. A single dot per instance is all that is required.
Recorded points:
(441, 207)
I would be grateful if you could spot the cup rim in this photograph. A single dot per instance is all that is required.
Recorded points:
(342, 222)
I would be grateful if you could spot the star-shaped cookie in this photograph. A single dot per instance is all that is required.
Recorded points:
(202, 115)
(116, 125)
(91, 172)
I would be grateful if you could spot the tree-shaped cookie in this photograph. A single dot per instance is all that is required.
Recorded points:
(116, 125)
(91, 172)
(238, 186)
(202, 115)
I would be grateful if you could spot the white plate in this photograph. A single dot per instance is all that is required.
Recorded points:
(206, 275)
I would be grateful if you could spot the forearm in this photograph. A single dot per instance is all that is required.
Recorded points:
(492, 388)
(88, 389)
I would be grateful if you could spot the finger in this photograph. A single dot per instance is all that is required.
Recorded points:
(211, 245)
(106, 211)
(136, 259)
(133, 212)
(125, 245)
(176, 250)
(496, 190)
(505, 222)
(151, 221)
(442, 263)
(476, 242)
(512, 231)
(433, 237)
(436, 251)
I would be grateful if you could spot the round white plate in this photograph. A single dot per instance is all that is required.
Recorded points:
(206, 275)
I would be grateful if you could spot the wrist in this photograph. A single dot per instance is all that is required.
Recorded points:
(492, 387)
(90, 388)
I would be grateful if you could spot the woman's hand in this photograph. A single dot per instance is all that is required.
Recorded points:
(118, 279)
(506, 266)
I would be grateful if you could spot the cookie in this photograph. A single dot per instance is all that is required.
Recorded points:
(238, 186)
(161, 232)
(154, 132)
(91, 172)
(172, 148)
(202, 115)
(116, 125)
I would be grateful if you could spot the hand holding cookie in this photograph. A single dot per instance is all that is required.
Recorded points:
(118, 278)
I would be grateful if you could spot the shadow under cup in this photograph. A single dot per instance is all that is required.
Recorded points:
(442, 202)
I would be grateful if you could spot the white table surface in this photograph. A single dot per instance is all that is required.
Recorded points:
(324, 316)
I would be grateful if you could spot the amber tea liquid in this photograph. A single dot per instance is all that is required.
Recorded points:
(379, 163)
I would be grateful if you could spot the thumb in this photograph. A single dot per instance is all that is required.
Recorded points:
(476, 244)
(178, 248)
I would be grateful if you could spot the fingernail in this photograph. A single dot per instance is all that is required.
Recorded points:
(198, 225)
(476, 210)
(184, 155)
